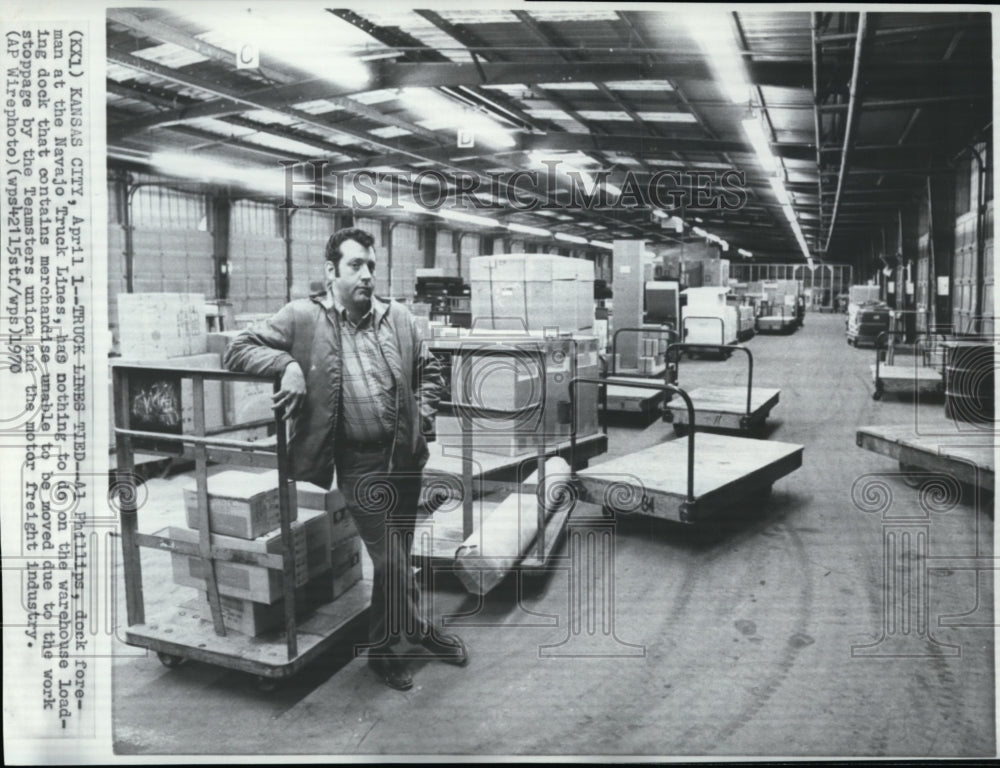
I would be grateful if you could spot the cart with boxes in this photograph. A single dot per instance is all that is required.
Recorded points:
(269, 570)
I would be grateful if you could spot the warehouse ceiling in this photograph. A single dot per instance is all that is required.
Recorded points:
(788, 135)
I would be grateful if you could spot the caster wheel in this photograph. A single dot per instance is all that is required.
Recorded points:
(910, 478)
(265, 684)
(877, 394)
(169, 660)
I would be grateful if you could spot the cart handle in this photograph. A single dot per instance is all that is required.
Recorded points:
(662, 387)
(721, 348)
(614, 340)
(722, 323)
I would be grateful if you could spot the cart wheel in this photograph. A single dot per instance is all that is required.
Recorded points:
(169, 660)
(265, 684)
(680, 429)
(910, 478)
(877, 394)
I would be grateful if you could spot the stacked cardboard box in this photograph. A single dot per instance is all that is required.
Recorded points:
(244, 516)
(539, 290)
(346, 549)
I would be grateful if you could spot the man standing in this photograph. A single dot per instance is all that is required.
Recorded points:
(360, 390)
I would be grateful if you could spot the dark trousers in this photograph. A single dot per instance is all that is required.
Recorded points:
(384, 506)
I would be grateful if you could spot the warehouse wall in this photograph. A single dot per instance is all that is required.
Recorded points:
(407, 256)
(257, 265)
(310, 231)
(171, 243)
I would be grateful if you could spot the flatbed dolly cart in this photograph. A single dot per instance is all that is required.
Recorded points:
(686, 480)
(786, 322)
(913, 379)
(625, 399)
(936, 445)
(176, 634)
(722, 408)
(699, 349)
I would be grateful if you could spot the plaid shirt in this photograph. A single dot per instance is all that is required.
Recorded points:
(368, 394)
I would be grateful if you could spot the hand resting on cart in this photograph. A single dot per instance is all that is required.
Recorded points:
(292, 392)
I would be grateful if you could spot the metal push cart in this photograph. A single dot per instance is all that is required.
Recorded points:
(914, 379)
(628, 399)
(174, 633)
(732, 409)
(684, 480)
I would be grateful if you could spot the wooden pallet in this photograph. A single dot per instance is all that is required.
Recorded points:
(724, 408)
(968, 456)
(727, 471)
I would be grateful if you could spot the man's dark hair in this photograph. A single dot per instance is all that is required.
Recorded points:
(339, 237)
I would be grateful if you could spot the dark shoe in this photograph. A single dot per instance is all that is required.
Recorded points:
(393, 673)
(449, 648)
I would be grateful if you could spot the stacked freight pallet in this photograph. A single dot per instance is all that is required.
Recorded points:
(244, 516)
(533, 292)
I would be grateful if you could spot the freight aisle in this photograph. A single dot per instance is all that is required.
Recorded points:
(739, 647)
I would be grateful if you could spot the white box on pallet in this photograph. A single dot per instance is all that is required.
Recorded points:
(152, 326)
(541, 290)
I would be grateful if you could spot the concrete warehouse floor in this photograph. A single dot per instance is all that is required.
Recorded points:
(744, 645)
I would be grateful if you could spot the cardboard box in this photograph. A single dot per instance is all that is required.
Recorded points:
(241, 504)
(539, 290)
(497, 381)
(333, 503)
(153, 326)
(254, 619)
(346, 558)
(311, 536)
(242, 401)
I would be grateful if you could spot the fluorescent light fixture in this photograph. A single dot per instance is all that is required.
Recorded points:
(725, 246)
(779, 190)
(467, 218)
(198, 167)
(744, 253)
(571, 238)
(438, 111)
(526, 230)
(309, 45)
(659, 214)
(755, 132)
(699, 231)
(713, 30)
(599, 244)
